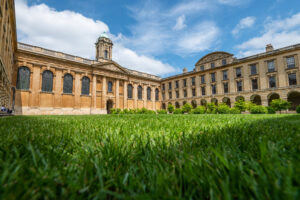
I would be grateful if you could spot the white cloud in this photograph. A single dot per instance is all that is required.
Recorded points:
(180, 23)
(280, 33)
(200, 38)
(233, 2)
(244, 23)
(73, 33)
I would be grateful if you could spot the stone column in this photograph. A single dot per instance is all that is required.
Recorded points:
(135, 104)
(77, 91)
(198, 89)
(94, 93)
(104, 92)
(145, 96)
(57, 88)
(153, 98)
(117, 94)
(36, 86)
(125, 94)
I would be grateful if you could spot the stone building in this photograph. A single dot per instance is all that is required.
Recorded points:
(34, 80)
(221, 78)
(8, 44)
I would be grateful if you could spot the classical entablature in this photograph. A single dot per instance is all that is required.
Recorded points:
(213, 57)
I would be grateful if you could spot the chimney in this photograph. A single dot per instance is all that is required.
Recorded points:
(185, 70)
(269, 48)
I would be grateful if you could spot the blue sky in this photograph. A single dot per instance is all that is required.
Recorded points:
(159, 37)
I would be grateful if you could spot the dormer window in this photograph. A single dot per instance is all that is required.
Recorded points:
(212, 65)
(224, 62)
(106, 54)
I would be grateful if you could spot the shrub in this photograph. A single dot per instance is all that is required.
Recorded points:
(178, 111)
(126, 111)
(280, 104)
(170, 108)
(211, 108)
(249, 105)
(235, 110)
(223, 109)
(271, 110)
(162, 112)
(187, 108)
(298, 109)
(199, 110)
(241, 105)
(115, 111)
(258, 110)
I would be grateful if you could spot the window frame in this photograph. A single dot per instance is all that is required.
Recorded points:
(65, 86)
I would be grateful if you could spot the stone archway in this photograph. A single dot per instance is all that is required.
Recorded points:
(177, 105)
(203, 102)
(194, 103)
(272, 96)
(227, 101)
(256, 99)
(294, 98)
(240, 98)
(215, 101)
(163, 106)
(109, 106)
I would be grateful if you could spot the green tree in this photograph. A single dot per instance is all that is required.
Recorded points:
(170, 108)
(298, 109)
(241, 105)
(280, 104)
(186, 108)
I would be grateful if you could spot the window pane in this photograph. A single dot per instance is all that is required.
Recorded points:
(85, 88)
(170, 95)
(292, 79)
(224, 62)
(177, 94)
(68, 84)
(225, 87)
(272, 82)
(194, 92)
(238, 72)
(140, 92)
(129, 91)
(254, 84)
(193, 81)
(225, 75)
(149, 93)
(110, 86)
(239, 86)
(203, 91)
(185, 93)
(23, 78)
(290, 62)
(202, 68)
(156, 94)
(271, 66)
(47, 81)
(212, 65)
(213, 89)
(203, 79)
(213, 77)
(253, 69)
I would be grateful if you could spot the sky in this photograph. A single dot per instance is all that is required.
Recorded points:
(160, 37)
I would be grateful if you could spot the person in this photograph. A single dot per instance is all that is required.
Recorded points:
(3, 109)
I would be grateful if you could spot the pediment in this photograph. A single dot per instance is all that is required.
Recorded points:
(213, 57)
(112, 67)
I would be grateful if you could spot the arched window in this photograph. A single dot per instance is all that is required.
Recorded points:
(140, 92)
(85, 87)
(68, 84)
(106, 54)
(129, 91)
(110, 86)
(148, 93)
(23, 78)
(156, 94)
(47, 81)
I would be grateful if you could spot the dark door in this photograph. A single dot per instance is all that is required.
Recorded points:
(109, 106)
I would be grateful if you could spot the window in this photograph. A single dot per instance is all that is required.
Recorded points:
(212, 65)
(203, 91)
(239, 85)
(290, 62)
(203, 79)
(148, 93)
(225, 88)
(213, 89)
(47, 81)
(238, 72)
(110, 86)
(170, 86)
(129, 91)
(163, 87)
(106, 54)
(140, 92)
(225, 75)
(193, 81)
(170, 95)
(253, 69)
(177, 84)
(68, 84)
(184, 82)
(23, 78)
(194, 92)
(202, 68)
(272, 82)
(85, 88)
(271, 66)
(254, 84)
(224, 62)
(185, 93)
(156, 94)
(213, 77)
(177, 94)
(292, 79)
(164, 96)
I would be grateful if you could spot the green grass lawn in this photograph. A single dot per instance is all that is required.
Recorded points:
(150, 157)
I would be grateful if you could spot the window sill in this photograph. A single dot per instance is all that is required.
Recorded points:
(68, 94)
(44, 92)
(86, 95)
(271, 72)
(22, 90)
